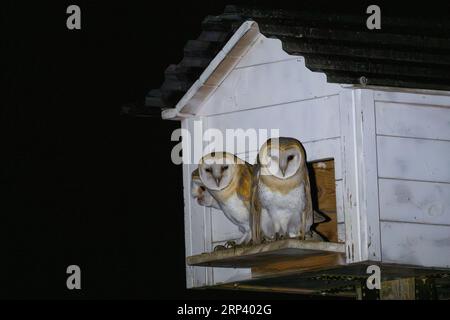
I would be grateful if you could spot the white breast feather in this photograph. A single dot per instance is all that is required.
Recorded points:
(285, 209)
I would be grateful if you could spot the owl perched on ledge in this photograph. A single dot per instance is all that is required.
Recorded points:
(282, 190)
(228, 179)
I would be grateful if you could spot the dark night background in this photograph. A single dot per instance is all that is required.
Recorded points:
(81, 184)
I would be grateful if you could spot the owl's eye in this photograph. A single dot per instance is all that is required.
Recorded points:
(289, 158)
(208, 170)
(224, 168)
(202, 188)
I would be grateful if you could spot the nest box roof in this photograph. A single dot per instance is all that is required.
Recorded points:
(406, 52)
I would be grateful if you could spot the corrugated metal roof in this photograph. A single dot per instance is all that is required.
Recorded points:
(407, 52)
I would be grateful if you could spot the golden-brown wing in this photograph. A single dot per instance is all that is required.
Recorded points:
(255, 209)
(244, 188)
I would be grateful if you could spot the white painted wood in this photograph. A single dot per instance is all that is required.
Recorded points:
(360, 204)
(349, 160)
(414, 159)
(307, 120)
(414, 201)
(341, 232)
(264, 50)
(187, 217)
(196, 228)
(416, 244)
(208, 233)
(208, 236)
(198, 241)
(340, 201)
(409, 120)
(323, 150)
(187, 225)
(368, 175)
(414, 189)
(268, 85)
(421, 97)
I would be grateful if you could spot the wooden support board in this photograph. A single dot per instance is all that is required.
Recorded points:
(259, 255)
(344, 280)
(399, 289)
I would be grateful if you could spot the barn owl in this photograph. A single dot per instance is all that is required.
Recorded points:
(199, 192)
(228, 179)
(281, 203)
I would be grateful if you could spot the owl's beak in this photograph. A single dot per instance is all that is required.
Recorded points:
(218, 180)
(283, 166)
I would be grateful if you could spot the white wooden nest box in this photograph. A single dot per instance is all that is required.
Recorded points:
(381, 157)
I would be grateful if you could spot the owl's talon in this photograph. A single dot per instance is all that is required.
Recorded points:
(279, 236)
(268, 240)
(230, 244)
(219, 248)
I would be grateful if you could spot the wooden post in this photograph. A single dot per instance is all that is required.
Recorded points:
(401, 289)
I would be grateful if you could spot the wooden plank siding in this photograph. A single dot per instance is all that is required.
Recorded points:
(415, 201)
(293, 119)
(413, 141)
(248, 88)
(413, 159)
(416, 244)
(413, 121)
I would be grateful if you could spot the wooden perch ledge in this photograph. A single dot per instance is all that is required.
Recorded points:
(254, 256)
